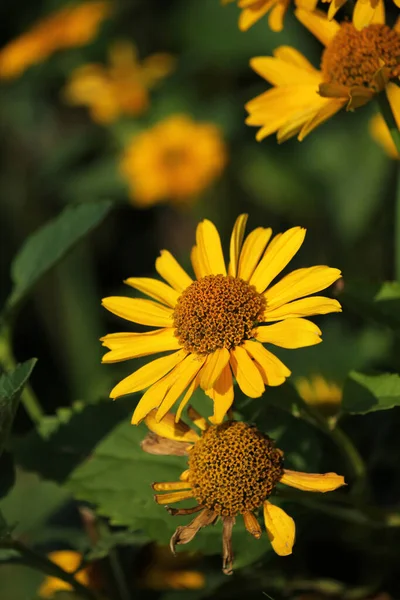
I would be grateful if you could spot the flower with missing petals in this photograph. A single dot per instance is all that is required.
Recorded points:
(233, 468)
(215, 325)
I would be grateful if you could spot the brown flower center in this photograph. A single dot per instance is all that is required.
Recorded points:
(353, 58)
(217, 312)
(233, 468)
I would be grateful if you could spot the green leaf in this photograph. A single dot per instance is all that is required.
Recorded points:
(368, 393)
(380, 302)
(11, 386)
(50, 243)
(7, 473)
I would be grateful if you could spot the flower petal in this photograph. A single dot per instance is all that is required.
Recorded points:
(209, 245)
(246, 373)
(280, 528)
(278, 71)
(272, 370)
(249, 16)
(213, 367)
(124, 346)
(312, 482)
(291, 333)
(153, 397)
(276, 16)
(169, 486)
(169, 268)
(253, 247)
(172, 497)
(185, 533)
(327, 110)
(318, 24)
(161, 446)
(222, 394)
(199, 268)
(278, 254)
(299, 283)
(155, 289)
(189, 393)
(145, 312)
(236, 244)
(147, 375)
(170, 429)
(316, 305)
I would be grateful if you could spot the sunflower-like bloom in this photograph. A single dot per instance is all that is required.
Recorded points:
(365, 11)
(254, 10)
(122, 88)
(217, 323)
(68, 27)
(69, 561)
(378, 128)
(174, 160)
(355, 66)
(232, 470)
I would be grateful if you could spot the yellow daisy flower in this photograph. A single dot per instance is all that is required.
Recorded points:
(365, 11)
(69, 561)
(325, 396)
(174, 160)
(68, 27)
(216, 324)
(378, 128)
(122, 87)
(355, 66)
(232, 470)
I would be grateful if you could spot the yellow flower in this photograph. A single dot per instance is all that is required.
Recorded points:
(121, 88)
(68, 27)
(355, 66)
(174, 160)
(216, 324)
(324, 395)
(365, 11)
(232, 470)
(254, 10)
(378, 127)
(165, 572)
(69, 561)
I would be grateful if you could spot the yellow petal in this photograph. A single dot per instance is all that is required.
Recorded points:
(189, 393)
(246, 373)
(299, 283)
(249, 16)
(280, 528)
(294, 57)
(363, 14)
(169, 268)
(319, 25)
(334, 6)
(197, 419)
(278, 71)
(297, 121)
(155, 289)
(252, 251)
(140, 311)
(147, 375)
(326, 112)
(153, 397)
(379, 16)
(312, 482)
(213, 367)
(272, 370)
(316, 305)
(291, 333)
(236, 244)
(170, 486)
(172, 497)
(278, 254)
(276, 16)
(199, 268)
(124, 346)
(170, 429)
(209, 245)
(222, 394)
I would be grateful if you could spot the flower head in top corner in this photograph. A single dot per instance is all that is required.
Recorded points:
(254, 10)
(233, 469)
(365, 11)
(214, 326)
(355, 67)
(120, 88)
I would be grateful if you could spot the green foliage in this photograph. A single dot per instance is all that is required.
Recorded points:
(369, 393)
(377, 301)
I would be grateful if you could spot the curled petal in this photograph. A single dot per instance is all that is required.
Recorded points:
(185, 533)
(252, 525)
(170, 429)
(227, 552)
(155, 444)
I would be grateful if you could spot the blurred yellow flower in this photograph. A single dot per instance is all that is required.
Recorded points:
(378, 127)
(168, 572)
(365, 11)
(120, 88)
(355, 66)
(324, 395)
(69, 561)
(254, 10)
(174, 160)
(73, 25)
(215, 325)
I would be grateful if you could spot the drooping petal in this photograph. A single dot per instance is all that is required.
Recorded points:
(252, 525)
(213, 367)
(161, 446)
(209, 247)
(312, 482)
(253, 248)
(316, 305)
(280, 528)
(272, 370)
(185, 533)
(145, 312)
(227, 551)
(291, 333)
(236, 244)
(278, 254)
(124, 346)
(222, 394)
(169, 268)
(246, 373)
(172, 497)
(317, 23)
(155, 289)
(171, 429)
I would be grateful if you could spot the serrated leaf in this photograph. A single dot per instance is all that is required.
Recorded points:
(11, 386)
(369, 393)
(50, 243)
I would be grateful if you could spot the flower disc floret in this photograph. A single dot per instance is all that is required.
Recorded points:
(354, 58)
(215, 312)
(233, 468)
